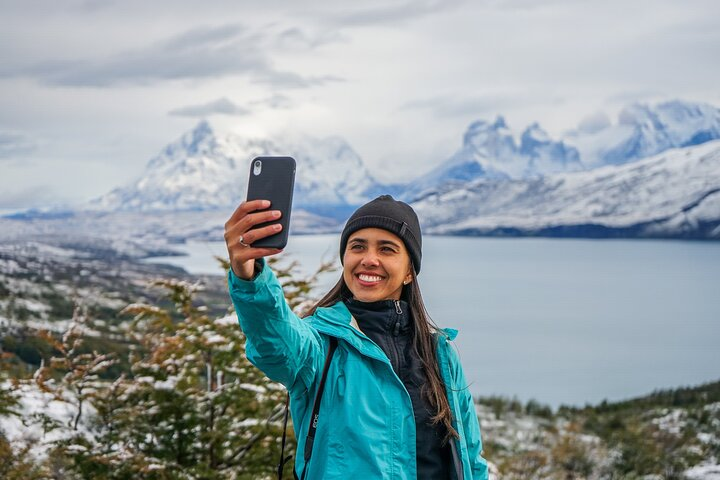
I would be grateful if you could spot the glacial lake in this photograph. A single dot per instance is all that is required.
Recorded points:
(563, 321)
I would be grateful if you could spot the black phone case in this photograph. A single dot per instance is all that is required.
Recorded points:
(275, 182)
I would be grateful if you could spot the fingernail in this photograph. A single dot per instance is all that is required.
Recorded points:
(277, 227)
(265, 203)
(276, 214)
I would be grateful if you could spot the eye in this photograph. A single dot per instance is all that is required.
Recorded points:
(387, 249)
(356, 246)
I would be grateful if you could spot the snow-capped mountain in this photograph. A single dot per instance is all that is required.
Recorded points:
(643, 130)
(673, 194)
(490, 150)
(207, 169)
(594, 178)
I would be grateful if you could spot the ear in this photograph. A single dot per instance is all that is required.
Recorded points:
(408, 278)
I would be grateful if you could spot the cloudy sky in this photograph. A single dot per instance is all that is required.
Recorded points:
(91, 90)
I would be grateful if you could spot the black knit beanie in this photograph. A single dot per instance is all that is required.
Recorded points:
(389, 214)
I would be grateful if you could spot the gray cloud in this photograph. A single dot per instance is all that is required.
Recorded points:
(295, 38)
(199, 53)
(13, 144)
(224, 106)
(398, 12)
(210, 37)
(221, 106)
(202, 52)
(276, 101)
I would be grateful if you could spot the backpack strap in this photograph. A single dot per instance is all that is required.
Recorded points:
(313, 419)
(316, 407)
(283, 458)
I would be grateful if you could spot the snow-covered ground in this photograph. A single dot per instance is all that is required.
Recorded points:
(43, 419)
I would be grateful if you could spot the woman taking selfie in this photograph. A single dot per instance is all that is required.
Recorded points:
(394, 403)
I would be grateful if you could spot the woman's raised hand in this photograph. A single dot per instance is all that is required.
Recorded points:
(239, 236)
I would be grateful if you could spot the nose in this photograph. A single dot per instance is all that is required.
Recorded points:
(370, 259)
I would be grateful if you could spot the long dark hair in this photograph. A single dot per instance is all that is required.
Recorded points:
(423, 343)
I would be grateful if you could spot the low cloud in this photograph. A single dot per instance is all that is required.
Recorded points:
(224, 106)
(30, 197)
(634, 96)
(221, 106)
(451, 106)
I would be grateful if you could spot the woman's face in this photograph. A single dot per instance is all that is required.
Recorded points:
(376, 264)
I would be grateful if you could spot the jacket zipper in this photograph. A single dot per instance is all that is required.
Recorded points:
(393, 341)
(398, 310)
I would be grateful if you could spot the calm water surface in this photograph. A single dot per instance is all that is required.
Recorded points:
(563, 321)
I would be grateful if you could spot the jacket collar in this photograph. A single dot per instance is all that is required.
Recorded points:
(386, 317)
(336, 320)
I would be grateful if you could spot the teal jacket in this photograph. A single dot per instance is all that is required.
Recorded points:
(366, 426)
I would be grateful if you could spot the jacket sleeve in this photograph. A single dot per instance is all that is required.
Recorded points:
(287, 349)
(471, 424)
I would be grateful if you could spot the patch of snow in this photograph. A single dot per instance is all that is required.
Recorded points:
(704, 471)
(253, 388)
(672, 422)
(227, 320)
(249, 422)
(168, 384)
(34, 403)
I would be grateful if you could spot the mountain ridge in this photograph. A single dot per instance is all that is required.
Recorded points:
(673, 194)
(206, 169)
(514, 178)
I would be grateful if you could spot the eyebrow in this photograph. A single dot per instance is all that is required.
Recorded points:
(381, 242)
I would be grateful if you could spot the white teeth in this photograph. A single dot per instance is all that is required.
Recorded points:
(369, 278)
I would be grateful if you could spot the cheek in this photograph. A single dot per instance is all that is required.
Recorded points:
(401, 268)
(348, 266)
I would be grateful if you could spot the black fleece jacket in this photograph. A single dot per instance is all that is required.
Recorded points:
(388, 323)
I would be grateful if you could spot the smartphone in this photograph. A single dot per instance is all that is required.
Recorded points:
(273, 178)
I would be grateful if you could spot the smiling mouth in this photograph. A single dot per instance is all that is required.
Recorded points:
(369, 279)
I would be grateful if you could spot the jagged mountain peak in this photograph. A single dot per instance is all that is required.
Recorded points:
(533, 135)
(207, 168)
(490, 150)
(480, 130)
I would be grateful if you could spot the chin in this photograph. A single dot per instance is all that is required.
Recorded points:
(367, 298)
